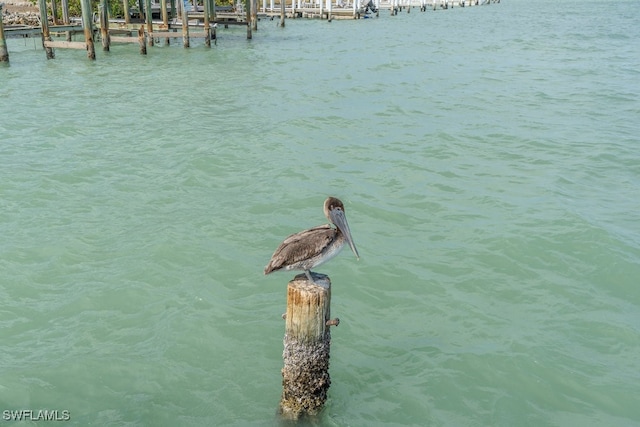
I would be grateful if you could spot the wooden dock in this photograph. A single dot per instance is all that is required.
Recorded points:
(195, 22)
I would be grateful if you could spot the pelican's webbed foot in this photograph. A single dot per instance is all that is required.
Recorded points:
(308, 274)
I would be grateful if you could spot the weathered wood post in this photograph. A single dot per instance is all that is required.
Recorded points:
(282, 11)
(165, 20)
(87, 25)
(148, 20)
(54, 12)
(247, 6)
(142, 40)
(207, 24)
(104, 25)
(254, 15)
(212, 17)
(125, 7)
(185, 24)
(4, 53)
(305, 376)
(44, 23)
(65, 17)
(65, 11)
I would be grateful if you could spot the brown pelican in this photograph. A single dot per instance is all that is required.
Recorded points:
(315, 246)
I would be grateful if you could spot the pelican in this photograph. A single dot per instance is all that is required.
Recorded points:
(310, 248)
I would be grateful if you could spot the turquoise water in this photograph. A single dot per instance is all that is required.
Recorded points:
(488, 160)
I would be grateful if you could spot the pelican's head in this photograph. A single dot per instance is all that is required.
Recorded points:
(334, 211)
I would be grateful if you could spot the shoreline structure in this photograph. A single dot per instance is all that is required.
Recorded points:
(24, 12)
(24, 18)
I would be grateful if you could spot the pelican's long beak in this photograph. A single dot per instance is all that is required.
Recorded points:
(340, 220)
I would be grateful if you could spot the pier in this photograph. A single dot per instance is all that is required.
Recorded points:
(170, 19)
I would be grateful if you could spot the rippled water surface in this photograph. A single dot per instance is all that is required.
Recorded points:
(488, 160)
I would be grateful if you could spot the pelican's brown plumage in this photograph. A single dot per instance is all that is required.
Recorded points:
(310, 248)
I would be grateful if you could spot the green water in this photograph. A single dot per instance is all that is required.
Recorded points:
(488, 160)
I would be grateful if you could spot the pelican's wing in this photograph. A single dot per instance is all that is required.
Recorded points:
(300, 247)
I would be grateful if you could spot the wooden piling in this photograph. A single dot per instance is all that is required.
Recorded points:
(44, 22)
(165, 20)
(4, 53)
(254, 15)
(65, 18)
(282, 12)
(305, 376)
(142, 40)
(148, 20)
(125, 7)
(247, 6)
(104, 25)
(87, 24)
(54, 12)
(65, 12)
(212, 9)
(212, 17)
(207, 24)
(185, 25)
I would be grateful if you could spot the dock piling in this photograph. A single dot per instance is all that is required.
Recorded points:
(125, 8)
(165, 20)
(282, 12)
(104, 25)
(142, 40)
(212, 17)
(207, 24)
(247, 6)
(305, 376)
(212, 10)
(254, 15)
(65, 17)
(148, 20)
(54, 12)
(65, 12)
(44, 22)
(87, 24)
(185, 25)
(4, 53)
